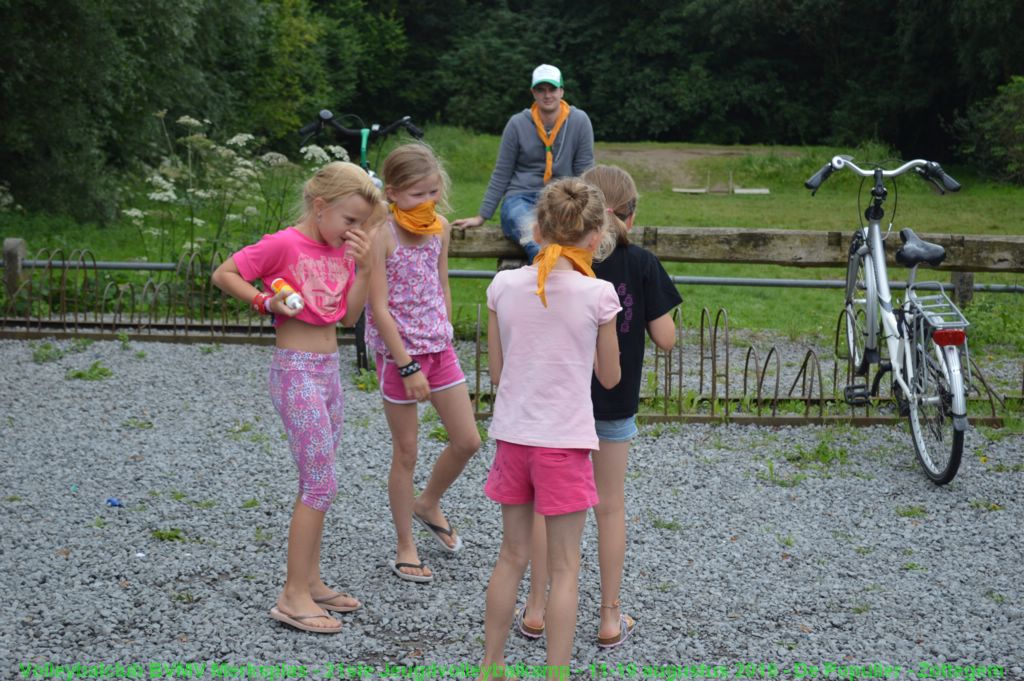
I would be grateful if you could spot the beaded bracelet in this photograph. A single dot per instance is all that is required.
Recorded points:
(409, 369)
(259, 303)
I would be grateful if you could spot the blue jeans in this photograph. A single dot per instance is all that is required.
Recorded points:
(518, 213)
(616, 430)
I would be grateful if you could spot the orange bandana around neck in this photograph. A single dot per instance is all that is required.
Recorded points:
(422, 219)
(546, 259)
(549, 141)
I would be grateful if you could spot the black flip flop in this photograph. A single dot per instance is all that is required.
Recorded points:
(437, 531)
(422, 579)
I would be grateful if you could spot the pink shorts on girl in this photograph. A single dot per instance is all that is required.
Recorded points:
(557, 481)
(441, 369)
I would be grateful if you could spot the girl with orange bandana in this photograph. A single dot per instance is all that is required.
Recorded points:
(408, 327)
(551, 328)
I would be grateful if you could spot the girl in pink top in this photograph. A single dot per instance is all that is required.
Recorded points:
(551, 327)
(326, 257)
(408, 327)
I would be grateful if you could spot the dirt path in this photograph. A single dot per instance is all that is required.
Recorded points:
(661, 167)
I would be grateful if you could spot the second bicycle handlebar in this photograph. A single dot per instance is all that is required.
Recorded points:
(325, 118)
(929, 170)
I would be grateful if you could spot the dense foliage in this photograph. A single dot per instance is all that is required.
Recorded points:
(80, 80)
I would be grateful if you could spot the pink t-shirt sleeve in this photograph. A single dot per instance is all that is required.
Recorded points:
(608, 304)
(492, 292)
(261, 258)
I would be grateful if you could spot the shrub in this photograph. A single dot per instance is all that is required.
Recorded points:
(991, 133)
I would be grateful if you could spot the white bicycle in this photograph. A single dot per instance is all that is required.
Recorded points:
(925, 339)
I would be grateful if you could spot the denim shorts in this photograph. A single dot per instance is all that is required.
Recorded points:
(617, 430)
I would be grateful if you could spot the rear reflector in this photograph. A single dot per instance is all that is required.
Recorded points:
(946, 337)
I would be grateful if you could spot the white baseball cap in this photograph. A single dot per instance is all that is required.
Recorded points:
(546, 73)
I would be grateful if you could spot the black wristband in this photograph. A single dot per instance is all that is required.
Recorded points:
(409, 369)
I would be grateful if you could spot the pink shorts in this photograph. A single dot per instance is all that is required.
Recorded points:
(557, 481)
(441, 369)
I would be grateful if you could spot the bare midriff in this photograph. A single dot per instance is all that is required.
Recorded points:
(293, 334)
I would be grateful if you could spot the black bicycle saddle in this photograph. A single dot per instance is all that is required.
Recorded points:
(915, 250)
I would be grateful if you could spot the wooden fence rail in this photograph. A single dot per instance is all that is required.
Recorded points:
(793, 248)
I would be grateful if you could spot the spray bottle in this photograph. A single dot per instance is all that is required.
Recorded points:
(292, 299)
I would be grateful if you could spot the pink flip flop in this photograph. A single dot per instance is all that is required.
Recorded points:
(532, 633)
(626, 624)
(326, 604)
(296, 621)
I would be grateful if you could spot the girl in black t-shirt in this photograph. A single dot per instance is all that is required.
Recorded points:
(647, 296)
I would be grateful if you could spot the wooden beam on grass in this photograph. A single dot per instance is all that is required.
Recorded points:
(791, 248)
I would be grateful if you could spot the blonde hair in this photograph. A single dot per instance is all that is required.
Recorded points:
(570, 209)
(410, 163)
(338, 180)
(619, 195)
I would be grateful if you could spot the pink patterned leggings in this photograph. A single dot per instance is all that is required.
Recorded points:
(305, 388)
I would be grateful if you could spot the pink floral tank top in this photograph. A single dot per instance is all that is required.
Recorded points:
(415, 299)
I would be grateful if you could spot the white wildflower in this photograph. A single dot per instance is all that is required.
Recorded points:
(189, 122)
(193, 245)
(315, 153)
(338, 152)
(153, 231)
(232, 217)
(135, 215)
(202, 193)
(251, 211)
(273, 158)
(240, 140)
(243, 173)
(160, 182)
(6, 198)
(164, 197)
(165, 189)
(198, 222)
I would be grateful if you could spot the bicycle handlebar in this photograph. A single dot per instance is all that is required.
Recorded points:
(325, 117)
(929, 170)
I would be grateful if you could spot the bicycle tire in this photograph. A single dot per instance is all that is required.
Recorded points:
(938, 441)
(861, 306)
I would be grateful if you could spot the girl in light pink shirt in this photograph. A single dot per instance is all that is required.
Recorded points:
(326, 257)
(551, 327)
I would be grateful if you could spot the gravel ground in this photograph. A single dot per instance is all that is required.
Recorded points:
(787, 547)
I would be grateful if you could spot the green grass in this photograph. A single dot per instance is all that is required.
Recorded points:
(980, 208)
(911, 511)
(80, 344)
(46, 352)
(821, 457)
(170, 534)
(366, 381)
(780, 480)
(439, 433)
(95, 372)
(672, 525)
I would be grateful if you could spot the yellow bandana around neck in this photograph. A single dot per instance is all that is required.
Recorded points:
(422, 219)
(548, 256)
(549, 140)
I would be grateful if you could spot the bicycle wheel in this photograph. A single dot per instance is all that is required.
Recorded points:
(938, 437)
(861, 306)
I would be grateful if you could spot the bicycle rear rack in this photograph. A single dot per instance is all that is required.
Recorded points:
(938, 311)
